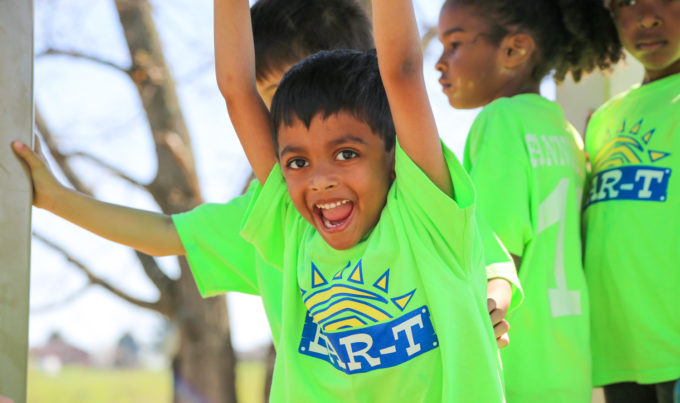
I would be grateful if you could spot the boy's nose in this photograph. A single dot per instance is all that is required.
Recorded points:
(323, 180)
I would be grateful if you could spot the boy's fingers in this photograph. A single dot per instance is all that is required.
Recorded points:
(501, 328)
(490, 304)
(26, 154)
(496, 315)
(503, 341)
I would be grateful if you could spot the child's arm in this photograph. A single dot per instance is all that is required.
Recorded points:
(235, 66)
(400, 59)
(148, 232)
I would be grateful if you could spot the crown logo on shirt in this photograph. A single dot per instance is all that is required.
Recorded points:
(627, 145)
(347, 300)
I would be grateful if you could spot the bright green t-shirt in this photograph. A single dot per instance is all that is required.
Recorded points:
(632, 234)
(221, 260)
(401, 316)
(528, 167)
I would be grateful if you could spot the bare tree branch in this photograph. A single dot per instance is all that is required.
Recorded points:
(60, 158)
(107, 166)
(45, 308)
(94, 279)
(161, 281)
(176, 184)
(164, 284)
(78, 55)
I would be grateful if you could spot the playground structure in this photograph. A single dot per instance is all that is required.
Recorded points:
(16, 122)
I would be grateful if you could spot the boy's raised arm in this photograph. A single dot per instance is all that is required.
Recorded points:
(235, 67)
(400, 59)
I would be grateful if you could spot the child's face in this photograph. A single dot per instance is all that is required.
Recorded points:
(469, 64)
(338, 175)
(267, 86)
(650, 31)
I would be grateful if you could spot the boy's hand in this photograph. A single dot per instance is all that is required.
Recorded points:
(499, 295)
(45, 185)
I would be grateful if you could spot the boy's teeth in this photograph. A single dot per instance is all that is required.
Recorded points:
(328, 206)
(328, 224)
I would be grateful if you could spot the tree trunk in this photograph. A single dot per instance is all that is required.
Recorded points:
(203, 368)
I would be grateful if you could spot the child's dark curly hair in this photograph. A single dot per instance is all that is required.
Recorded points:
(572, 36)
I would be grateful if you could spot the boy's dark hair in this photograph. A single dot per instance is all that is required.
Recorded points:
(572, 36)
(286, 31)
(334, 81)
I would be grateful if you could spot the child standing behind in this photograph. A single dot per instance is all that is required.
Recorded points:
(528, 166)
(632, 214)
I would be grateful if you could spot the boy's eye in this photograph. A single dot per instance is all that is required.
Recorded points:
(345, 155)
(454, 45)
(625, 3)
(297, 163)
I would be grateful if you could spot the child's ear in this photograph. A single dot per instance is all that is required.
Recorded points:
(517, 50)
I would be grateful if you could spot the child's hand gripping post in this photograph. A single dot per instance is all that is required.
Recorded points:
(400, 59)
(148, 232)
(235, 68)
(46, 188)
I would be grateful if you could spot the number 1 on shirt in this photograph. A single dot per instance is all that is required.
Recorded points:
(552, 211)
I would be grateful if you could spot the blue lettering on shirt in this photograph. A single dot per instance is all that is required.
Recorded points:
(632, 182)
(365, 349)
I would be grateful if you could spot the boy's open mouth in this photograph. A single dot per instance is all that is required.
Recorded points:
(334, 215)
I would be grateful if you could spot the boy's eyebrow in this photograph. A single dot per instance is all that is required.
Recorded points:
(452, 30)
(348, 139)
(342, 140)
(291, 149)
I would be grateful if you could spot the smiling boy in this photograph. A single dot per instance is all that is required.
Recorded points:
(377, 240)
(632, 213)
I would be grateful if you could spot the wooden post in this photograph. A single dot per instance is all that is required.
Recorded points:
(16, 123)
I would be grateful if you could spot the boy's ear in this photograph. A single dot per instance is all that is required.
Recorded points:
(517, 49)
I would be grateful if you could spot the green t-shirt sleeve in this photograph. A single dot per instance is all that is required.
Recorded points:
(220, 259)
(271, 220)
(495, 158)
(498, 262)
(432, 215)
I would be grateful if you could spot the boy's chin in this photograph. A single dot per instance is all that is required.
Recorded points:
(339, 241)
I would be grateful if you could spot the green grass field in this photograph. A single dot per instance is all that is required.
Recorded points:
(80, 384)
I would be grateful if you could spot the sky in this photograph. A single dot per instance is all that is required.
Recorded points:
(96, 109)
